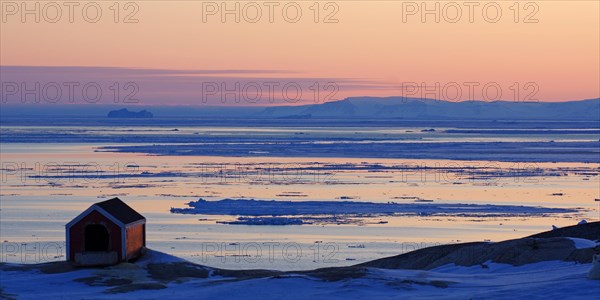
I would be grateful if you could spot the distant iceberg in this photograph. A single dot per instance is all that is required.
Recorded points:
(125, 113)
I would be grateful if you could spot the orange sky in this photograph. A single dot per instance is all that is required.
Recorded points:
(370, 41)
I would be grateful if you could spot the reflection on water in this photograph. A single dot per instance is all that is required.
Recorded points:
(46, 185)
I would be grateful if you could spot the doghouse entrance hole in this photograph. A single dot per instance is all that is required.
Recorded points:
(96, 238)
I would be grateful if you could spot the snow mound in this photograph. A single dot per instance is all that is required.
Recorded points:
(156, 257)
(583, 243)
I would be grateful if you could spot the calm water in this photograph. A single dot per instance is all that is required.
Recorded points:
(44, 185)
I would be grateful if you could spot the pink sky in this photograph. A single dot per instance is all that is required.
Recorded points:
(375, 48)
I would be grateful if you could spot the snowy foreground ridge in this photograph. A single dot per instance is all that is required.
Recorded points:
(549, 265)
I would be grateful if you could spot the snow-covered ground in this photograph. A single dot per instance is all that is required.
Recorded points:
(550, 280)
(583, 243)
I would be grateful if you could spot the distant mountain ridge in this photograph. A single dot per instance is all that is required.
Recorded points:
(411, 108)
(377, 108)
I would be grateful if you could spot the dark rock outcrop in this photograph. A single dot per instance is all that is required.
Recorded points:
(589, 231)
(545, 246)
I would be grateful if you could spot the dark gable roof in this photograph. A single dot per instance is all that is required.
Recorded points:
(120, 210)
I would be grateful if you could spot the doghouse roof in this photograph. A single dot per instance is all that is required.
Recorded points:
(114, 209)
(120, 210)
